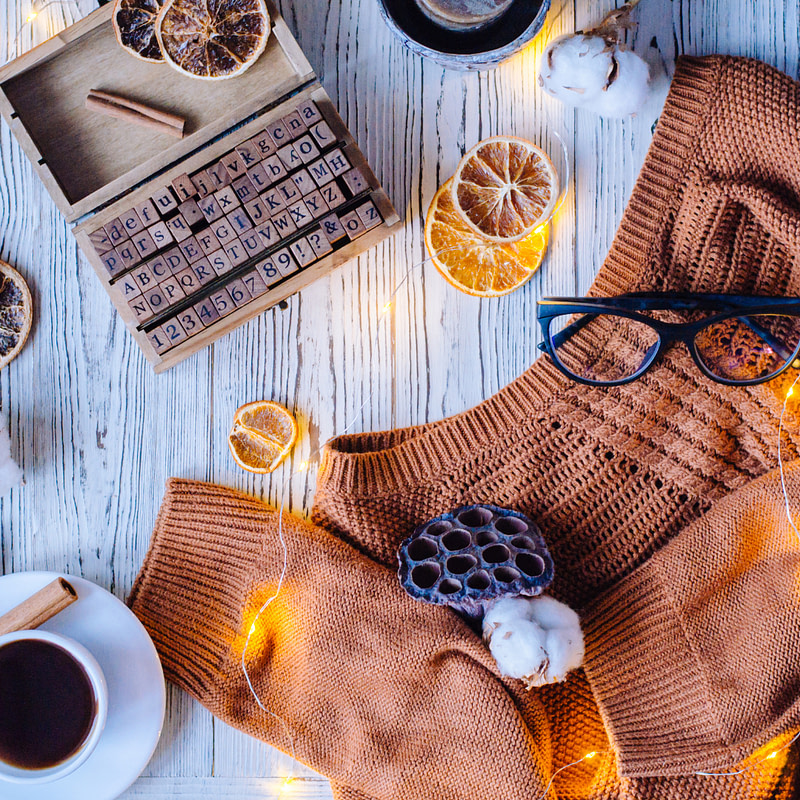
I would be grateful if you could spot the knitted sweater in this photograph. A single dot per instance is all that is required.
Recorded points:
(682, 566)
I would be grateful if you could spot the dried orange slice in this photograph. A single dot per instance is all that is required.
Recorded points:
(262, 435)
(504, 188)
(470, 262)
(212, 39)
(135, 27)
(16, 313)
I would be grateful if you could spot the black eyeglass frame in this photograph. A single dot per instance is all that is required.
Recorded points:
(627, 305)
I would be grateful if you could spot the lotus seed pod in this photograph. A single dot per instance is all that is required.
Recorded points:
(473, 555)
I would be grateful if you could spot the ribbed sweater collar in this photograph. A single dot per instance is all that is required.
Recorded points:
(388, 462)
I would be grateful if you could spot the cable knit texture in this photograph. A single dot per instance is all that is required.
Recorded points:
(663, 532)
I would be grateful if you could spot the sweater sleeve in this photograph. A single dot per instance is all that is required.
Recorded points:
(385, 696)
(713, 619)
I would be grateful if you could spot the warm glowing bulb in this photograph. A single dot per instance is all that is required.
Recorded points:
(303, 466)
(32, 16)
(252, 629)
(790, 392)
(772, 755)
(591, 755)
(386, 308)
(287, 785)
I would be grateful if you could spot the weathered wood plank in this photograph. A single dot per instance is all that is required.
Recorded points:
(230, 789)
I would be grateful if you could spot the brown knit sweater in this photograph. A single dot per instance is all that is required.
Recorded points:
(683, 566)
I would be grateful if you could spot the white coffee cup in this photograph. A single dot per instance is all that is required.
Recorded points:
(15, 774)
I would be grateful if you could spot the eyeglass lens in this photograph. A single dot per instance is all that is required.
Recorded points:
(602, 348)
(748, 348)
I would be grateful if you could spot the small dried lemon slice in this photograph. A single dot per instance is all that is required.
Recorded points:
(212, 39)
(471, 263)
(16, 313)
(504, 188)
(262, 435)
(135, 27)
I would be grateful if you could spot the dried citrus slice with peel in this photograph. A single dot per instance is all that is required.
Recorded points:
(470, 262)
(135, 27)
(16, 313)
(504, 188)
(212, 39)
(262, 435)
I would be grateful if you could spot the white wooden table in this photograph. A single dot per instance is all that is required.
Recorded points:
(97, 433)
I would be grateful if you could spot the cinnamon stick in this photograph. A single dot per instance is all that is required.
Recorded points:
(155, 113)
(39, 607)
(137, 113)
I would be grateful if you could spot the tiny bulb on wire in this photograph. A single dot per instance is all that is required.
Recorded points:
(303, 466)
(591, 755)
(32, 16)
(772, 754)
(288, 784)
(252, 629)
(790, 392)
(386, 308)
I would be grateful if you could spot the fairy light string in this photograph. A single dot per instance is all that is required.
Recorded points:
(303, 467)
(769, 757)
(36, 10)
(306, 464)
(789, 394)
(575, 763)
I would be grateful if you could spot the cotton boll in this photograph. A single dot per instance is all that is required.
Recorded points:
(536, 639)
(518, 647)
(10, 473)
(549, 613)
(589, 72)
(574, 66)
(506, 608)
(564, 651)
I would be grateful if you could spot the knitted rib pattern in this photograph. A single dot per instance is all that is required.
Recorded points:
(614, 477)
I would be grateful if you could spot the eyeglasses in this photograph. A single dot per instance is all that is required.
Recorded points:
(738, 341)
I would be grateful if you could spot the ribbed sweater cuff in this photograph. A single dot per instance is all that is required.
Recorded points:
(179, 582)
(693, 658)
(648, 683)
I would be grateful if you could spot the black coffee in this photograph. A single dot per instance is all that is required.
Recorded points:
(47, 704)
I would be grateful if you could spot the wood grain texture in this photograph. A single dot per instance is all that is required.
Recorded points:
(98, 434)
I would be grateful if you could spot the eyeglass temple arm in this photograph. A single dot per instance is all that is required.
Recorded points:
(777, 346)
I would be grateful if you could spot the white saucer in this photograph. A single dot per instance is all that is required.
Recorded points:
(136, 693)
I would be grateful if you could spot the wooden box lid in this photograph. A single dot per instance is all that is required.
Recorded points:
(86, 159)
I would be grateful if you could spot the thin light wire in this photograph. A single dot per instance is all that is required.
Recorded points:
(567, 173)
(35, 12)
(307, 463)
(567, 766)
(787, 506)
(786, 399)
(250, 633)
(285, 551)
(747, 769)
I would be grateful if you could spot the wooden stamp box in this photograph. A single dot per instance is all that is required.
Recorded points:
(192, 237)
